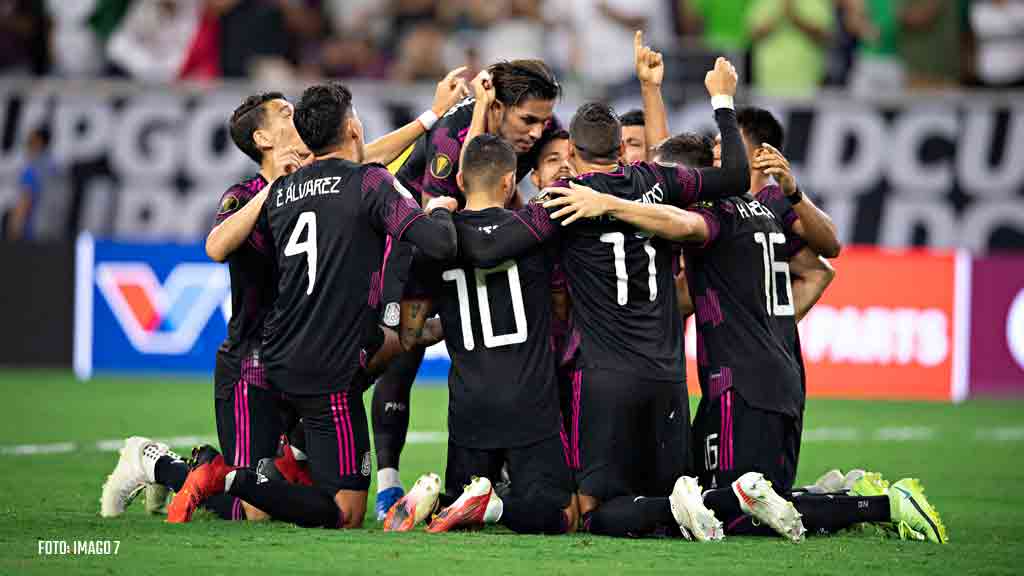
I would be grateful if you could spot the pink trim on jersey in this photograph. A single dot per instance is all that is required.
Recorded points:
(409, 223)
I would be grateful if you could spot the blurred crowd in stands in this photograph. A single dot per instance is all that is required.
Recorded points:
(791, 47)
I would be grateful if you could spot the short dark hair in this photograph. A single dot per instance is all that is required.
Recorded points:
(320, 115)
(247, 119)
(760, 126)
(596, 132)
(516, 81)
(634, 117)
(486, 160)
(687, 149)
(545, 139)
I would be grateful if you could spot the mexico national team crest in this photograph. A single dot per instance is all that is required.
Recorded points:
(392, 314)
(441, 166)
(366, 464)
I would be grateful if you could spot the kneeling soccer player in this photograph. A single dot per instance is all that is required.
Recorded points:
(503, 403)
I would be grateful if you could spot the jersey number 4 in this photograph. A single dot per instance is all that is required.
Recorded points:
(458, 275)
(307, 223)
(772, 271)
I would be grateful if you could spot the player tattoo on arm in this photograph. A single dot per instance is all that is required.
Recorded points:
(650, 70)
(450, 90)
(413, 323)
(811, 275)
(813, 224)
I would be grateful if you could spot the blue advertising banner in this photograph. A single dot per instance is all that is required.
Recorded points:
(159, 308)
(148, 307)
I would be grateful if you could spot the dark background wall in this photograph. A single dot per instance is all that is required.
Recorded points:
(36, 304)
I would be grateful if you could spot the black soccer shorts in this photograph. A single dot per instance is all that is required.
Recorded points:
(733, 438)
(537, 471)
(634, 434)
(249, 417)
(337, 439)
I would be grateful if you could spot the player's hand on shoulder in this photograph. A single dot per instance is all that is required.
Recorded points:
(450, 90)
(721, 81)
(446, 202)
(769, 160)
(575, 202)
(650, 67)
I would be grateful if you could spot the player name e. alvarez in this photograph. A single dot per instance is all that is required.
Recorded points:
(307, 189)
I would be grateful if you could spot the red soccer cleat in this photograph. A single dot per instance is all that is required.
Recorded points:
(204, 481)
(469, 510)
(294, 472)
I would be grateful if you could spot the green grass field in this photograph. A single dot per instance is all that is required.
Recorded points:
(969, 457)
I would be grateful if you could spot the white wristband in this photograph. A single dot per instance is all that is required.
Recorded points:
(722, 101)
(427, 119)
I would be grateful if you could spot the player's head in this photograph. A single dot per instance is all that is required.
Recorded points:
(525, 93)
(595, 136)
(327, 122)
(633, 136)
(488, 168)
(757, 126)
(552, 160)
(261, 123)
(688, 149)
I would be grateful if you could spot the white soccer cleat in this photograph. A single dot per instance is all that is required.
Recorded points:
(831, 481)
(851, 479)
(758, 499)
(695, 520)
(135, 468)
(416, 506)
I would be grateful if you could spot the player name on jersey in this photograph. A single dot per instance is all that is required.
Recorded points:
(306, 189)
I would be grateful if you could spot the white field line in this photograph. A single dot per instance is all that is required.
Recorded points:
(810, 435)
(113, 445)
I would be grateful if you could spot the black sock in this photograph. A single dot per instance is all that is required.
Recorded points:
(826, 514)
(725, 505)
(528, 517)
(445, 500)
(304, 506)
(170, 472)
(390, 407)
(626, 516)
(225, 506)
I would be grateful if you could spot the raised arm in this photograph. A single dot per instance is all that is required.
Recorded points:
(662, 220)
(812, 224)
(650, 70)
(484, 95)
(733, 178)
(450, 90)
(530, 228)
(811, 275)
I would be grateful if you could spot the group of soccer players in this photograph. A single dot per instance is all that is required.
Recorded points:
(563, 317)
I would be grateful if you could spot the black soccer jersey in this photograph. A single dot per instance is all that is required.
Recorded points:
(327, 225)
(252, 294)
(443, 146)
(497, 325)
(746, 329)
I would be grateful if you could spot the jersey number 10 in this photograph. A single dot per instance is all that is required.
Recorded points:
(458, 275)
